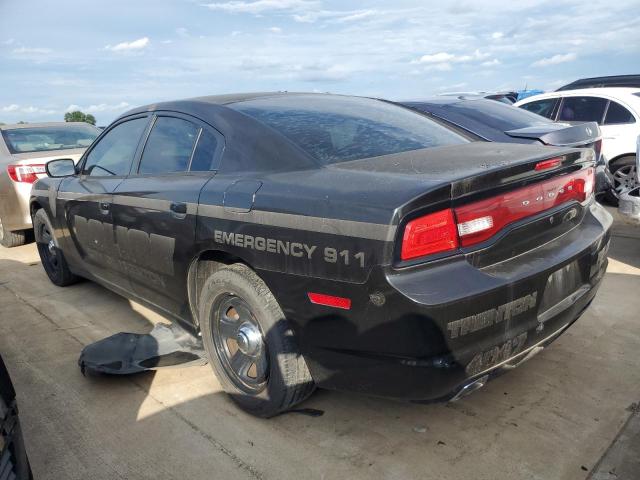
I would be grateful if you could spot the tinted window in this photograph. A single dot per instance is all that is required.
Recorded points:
(336, 129)
(497, 115)
(43, 139)
(115, 151)
(169, 146)
(541, 107)
(618, 114)
(582, 109)
(205, 156)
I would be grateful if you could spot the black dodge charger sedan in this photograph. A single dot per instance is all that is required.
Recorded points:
(337, 241)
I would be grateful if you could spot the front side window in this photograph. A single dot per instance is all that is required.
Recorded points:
(45, 139)
(582, 109)
(169, 146)
(617, 114)
(113, 154)
(541, 107)
(335, 129)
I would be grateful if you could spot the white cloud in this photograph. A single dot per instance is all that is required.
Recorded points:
(102, 107)
(31, 51)
(259, 6)
(555, 60)
(497, 35)
(443, 61)
(436, 58)
(14, 108)
(8, 41)
(491, 63)
(138, 44)
(275, 30)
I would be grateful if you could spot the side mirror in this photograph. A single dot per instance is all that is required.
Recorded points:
(63, 167)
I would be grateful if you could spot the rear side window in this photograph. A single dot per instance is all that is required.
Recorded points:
(582, 109)
(541, 107)
(617, 114)
(114, 152)
(169, 146)
(206, 156)
(335, 129)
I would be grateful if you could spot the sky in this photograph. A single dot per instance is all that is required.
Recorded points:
(105, 57)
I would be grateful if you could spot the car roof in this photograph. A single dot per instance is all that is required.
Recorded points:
(611, 81)
(623, 93)
(15, 126)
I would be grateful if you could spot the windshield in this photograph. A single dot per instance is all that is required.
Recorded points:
(43, 139)
(335, 129)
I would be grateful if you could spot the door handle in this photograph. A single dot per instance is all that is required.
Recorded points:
(105, 207)
(179, 210)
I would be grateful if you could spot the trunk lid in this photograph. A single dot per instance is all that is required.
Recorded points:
(472, 169)
(488, 201)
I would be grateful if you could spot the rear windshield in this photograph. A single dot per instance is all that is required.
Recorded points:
(335, 129)
(497, 115)
(44, 139)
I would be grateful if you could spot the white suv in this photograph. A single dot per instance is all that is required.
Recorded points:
(617, 111)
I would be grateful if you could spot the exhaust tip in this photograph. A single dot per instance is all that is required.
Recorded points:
(469, 388)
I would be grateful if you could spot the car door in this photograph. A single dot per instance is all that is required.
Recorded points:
(155, 208)
(85, 200)
(619, 130)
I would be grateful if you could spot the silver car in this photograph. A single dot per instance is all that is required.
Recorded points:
(24, 151)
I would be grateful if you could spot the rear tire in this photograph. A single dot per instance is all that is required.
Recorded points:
(10, 239)
(251, 346)
(623, 171)
(51, 256)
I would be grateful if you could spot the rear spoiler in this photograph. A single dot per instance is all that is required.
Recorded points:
(563, 136)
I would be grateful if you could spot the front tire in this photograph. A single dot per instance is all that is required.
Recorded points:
(51, 256)
(250, 344)
(10, 239)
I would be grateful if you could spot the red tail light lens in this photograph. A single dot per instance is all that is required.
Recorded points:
(477, 222)
(433, 233)
(25, 173)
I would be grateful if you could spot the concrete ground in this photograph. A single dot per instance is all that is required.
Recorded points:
(552, 418)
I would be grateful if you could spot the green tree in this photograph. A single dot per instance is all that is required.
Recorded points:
(79, 116)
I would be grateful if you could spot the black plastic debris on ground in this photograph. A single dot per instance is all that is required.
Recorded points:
(127, 353)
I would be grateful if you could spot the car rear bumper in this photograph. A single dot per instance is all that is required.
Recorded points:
(439, 329)
(14, 205)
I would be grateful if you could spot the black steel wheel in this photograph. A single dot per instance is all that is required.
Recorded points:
(240, 344)
(51, 256)
(251, 346)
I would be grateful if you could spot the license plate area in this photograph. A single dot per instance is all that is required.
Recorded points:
(564, 287)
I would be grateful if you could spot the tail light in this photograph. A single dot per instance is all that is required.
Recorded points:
(477, 222)
(433, 233)
(25, 173)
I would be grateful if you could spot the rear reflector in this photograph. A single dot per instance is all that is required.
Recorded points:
(433, 233)
(477, 222)
(25, 173)
(330, 300)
